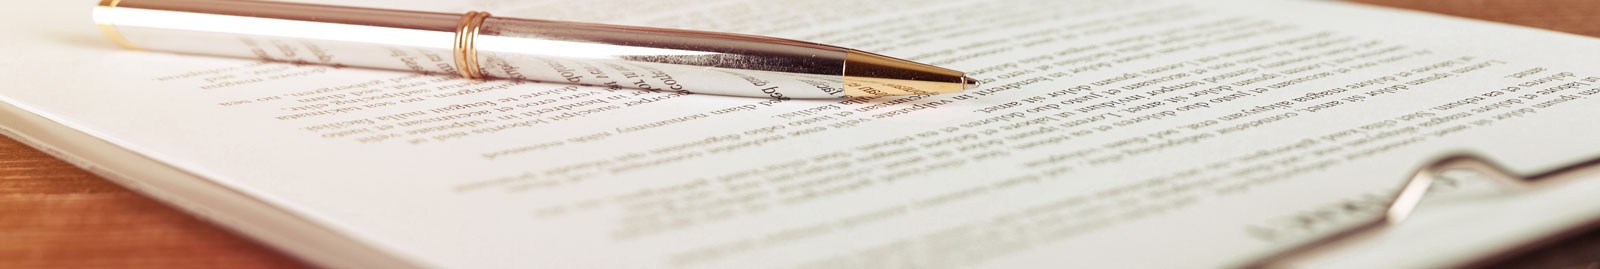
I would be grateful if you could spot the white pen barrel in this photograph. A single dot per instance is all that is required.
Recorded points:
(546, 51)
(659, 59)
(286, 32)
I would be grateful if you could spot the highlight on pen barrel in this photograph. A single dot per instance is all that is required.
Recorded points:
(476, 44)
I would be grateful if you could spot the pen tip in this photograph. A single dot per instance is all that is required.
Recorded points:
(868, 74)
(971, 83)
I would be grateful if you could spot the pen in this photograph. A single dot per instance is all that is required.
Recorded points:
(477, 45)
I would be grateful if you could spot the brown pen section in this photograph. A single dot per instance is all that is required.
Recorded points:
(868, 74)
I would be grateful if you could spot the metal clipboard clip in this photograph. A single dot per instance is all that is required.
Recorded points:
(1413, 191)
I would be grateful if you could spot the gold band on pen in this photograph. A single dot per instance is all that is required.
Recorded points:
(110, 30)
(466, 54)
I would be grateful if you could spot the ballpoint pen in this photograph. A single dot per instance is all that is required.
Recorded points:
(476, 45)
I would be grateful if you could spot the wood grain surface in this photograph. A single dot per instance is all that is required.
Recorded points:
(54, 215)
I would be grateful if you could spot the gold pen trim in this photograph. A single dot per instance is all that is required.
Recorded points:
(466, 53)
(871, 75)
(472, 49)
(109, 29)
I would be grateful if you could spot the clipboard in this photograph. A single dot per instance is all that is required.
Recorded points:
(1414, 189)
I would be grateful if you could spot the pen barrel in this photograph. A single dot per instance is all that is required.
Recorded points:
(285, 32)
(659, 59)
(545, 51)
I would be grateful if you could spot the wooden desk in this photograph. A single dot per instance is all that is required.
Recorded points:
(53, 215)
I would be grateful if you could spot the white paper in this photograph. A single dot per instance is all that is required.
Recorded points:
(1087, 145)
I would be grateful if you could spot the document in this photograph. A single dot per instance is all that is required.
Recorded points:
(1120, 133)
